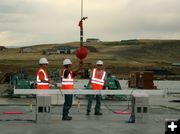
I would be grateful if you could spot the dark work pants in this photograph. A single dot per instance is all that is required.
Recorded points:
(68, 99)
(98, 103)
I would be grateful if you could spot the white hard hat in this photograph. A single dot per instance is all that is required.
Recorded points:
(67, 62)
(99, 62)
(43, 61)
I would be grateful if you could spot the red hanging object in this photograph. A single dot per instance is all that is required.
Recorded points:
(81, 52)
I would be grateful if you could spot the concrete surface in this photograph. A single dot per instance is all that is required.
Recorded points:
(161, 108)
(109, 123)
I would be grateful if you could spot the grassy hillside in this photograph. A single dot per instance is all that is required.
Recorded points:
(145, 51)
(119, 56)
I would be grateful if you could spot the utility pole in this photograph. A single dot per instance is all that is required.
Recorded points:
(81, 52)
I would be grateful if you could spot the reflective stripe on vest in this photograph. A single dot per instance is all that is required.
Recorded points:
(42, 85)
(67, 83)
(95, 79)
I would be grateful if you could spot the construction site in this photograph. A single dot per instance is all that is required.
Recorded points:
(19, 113)
(90, 87)
(140, 98)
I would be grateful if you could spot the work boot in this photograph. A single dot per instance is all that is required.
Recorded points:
(98, 113)
(87, 113)
(67, 118)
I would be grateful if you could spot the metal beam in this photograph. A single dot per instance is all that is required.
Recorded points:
(89, 91)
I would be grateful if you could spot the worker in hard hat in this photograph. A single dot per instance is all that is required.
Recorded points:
(97, 82)
(67, 84)
(42, 76)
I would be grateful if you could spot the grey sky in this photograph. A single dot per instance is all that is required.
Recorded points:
(29, 22)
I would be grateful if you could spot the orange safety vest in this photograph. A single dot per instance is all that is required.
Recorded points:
(42, 85)
(67, 83)
(97, 83)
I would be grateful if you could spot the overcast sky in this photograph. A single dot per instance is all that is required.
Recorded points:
(30, 22)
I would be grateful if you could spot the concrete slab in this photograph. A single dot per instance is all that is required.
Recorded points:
(108, 123)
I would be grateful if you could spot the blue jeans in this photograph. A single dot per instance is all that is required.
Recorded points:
(68, 99)
(98, 103)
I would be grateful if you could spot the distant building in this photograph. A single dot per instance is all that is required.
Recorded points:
(61, 50)
(73, 49)
(51, 51)
(2, 48)
(92, 40)
(176, 64)
(66, 49)
(26, 50)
